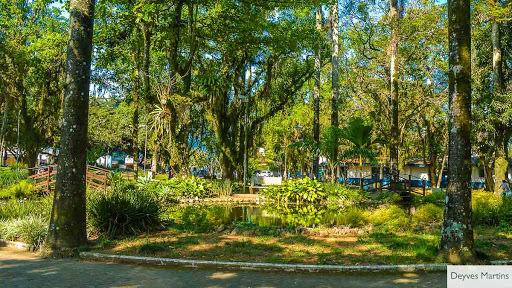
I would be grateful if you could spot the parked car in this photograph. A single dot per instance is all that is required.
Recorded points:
(264, 174)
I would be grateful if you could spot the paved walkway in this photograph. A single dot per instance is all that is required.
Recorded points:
(24, 269)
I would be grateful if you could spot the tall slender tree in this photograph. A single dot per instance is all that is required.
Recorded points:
(457, 244)
(393, 53)
(335, 73)
(316, 96)
(500, 162)
(68, 225)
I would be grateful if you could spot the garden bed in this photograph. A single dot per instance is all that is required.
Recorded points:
(315, 246)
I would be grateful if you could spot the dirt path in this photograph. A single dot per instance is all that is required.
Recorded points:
(24, 269)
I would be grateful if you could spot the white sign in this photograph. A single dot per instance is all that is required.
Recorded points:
(479, 276)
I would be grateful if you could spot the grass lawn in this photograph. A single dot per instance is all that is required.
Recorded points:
(368, 248)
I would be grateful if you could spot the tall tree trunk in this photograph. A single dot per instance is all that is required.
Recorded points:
(393, 51)
(457, 243)
(155, 160)
(500, 163)
(335, 77)
(2, 131)
(135, 116)
(67, 224)
(316, 97)
(488, 168)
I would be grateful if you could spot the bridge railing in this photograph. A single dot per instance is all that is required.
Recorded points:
(45, 177)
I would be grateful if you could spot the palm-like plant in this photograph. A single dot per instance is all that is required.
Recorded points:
(359, 134)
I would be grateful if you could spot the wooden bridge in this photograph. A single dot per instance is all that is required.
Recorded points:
(46, 176)
(403, 186)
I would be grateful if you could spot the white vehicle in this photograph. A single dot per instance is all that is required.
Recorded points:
(264, 174)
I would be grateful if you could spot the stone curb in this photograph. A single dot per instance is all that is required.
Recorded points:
(92, 256)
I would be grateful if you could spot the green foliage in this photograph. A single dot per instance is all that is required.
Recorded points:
(389, 197)
(353, 217)
(21, 190)
(19, 209)
(344, 195)
(123, 212)
(438, 196)
(297, 191)
(491, 209)
(224, 187)
(9, 177)
(390, 218)
(31, 229)
(428, 214)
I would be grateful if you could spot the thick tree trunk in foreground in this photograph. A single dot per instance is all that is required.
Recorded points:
(67, 225)
(457, 245)
(500, 163)
(316, 96)
(335, 78)
(393, 51)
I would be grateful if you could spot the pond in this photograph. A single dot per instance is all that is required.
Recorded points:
(272, 214)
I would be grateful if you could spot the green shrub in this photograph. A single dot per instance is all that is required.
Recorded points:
(20, 190)
(297, 191)
(486, 208)
(124, 212)
(224, 187)
(428, 214)
(10, 177)
(353, 217)
(345, 195)
(31, 230)
(439, 196)
(176, 188)
(19, 209)
(389, 197)
(390, 218)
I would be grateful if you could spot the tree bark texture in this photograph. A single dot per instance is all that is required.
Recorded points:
(316, 96)
(393, 52)
(68, 224)
(335, 76)
(457, 244)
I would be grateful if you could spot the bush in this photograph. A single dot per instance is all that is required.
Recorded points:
(175, 188)
(344, 195)
(486, 208)
(224, 187)
(389, 197)
(298, 191)
(353, 217)
(20, 190)
(390, 218)
(439, 196)
(428, 214)
(19, 209)
(31, 230)
(127, 212)
(10, 177)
